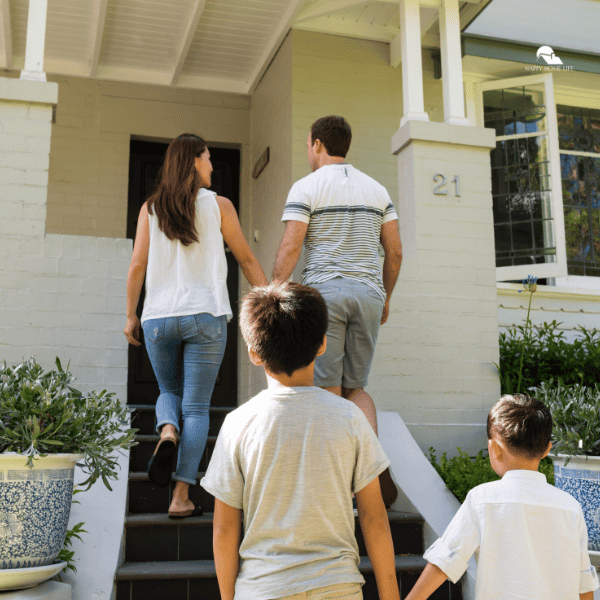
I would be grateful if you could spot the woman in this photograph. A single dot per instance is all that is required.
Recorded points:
(179, 249)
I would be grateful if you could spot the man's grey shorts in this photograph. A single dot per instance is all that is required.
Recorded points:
(355, 310)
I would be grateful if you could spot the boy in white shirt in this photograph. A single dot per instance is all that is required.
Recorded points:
(289, 459)
(529, 538)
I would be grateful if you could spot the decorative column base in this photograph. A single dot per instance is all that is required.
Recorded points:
(413, 116)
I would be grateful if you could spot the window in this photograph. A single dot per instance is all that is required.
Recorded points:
(526, 190)
(579, 144)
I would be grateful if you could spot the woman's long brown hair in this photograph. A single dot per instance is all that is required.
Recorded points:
(174, 199)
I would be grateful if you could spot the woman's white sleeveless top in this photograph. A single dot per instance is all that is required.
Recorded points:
(186, 280)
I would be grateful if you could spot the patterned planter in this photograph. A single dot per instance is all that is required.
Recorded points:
(35, 504)
(581, 479)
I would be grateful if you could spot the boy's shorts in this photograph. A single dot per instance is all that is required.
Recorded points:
(339, 591)
(354, 310)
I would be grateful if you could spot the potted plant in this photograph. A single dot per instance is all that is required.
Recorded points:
(46, 427)
(576, 447)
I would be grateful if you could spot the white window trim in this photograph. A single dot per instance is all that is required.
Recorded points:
(543, 270)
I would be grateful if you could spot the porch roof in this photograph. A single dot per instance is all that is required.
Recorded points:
(567, 24)
(218, 45)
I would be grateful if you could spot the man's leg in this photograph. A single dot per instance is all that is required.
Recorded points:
(364, 402)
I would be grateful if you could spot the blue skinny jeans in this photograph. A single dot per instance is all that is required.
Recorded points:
(186, 353)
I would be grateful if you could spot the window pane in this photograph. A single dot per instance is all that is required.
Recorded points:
(522, 202)
(579, 129)
(581, 201)
(515, 110)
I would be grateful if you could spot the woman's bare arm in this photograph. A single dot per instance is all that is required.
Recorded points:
(135, 276)
(234, 238)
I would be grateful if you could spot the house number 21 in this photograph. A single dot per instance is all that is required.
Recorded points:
(440, 192)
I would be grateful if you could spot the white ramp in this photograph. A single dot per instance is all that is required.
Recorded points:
(420, 484)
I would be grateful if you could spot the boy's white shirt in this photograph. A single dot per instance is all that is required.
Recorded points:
(529, 539)
(290, 459)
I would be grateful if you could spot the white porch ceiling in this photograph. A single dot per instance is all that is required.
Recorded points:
(218, 45)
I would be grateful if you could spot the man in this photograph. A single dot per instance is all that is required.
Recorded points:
(341, 216)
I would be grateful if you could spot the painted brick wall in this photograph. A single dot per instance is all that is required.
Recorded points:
(61, 296)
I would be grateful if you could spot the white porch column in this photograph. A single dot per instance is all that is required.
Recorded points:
(412, 67)
(452, 78)
(36, 39)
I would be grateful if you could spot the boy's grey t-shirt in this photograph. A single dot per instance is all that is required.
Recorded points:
(290, 458)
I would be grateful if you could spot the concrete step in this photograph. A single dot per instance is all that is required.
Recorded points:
(155, 537)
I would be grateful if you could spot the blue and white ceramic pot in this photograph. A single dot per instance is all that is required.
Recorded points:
(35, 504)
(581, 479)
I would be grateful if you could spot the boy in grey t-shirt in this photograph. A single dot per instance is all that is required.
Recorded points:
(289, 460)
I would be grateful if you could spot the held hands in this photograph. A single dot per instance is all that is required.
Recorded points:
(132, 330)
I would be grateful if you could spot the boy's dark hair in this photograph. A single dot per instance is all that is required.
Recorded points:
(284, 323)
(523, 423)
(335, 134)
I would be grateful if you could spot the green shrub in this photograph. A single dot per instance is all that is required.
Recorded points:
(575, 415)
(547, 355)
(463, 472)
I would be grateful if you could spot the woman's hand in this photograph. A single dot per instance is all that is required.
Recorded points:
(132, 330)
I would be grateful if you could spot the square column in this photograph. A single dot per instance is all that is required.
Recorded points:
(412, 64)
(446, 325)
(452, 77)
(36, 40)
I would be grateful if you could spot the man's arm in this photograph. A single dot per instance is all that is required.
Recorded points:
(375, 528)
(392, 246)
(431, 579)
(289, 250)
(227, 534)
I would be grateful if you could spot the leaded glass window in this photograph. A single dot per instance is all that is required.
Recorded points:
(579, 143)
(529, 232)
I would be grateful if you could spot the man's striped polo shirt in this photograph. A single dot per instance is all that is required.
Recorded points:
(344, 209)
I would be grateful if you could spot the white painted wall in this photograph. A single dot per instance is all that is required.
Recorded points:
(571, 307)
(271, 122)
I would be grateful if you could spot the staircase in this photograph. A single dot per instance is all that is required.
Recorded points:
(170, 559)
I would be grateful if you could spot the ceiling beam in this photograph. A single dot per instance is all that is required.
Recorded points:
(186, 42)
(100, 7)
(284, 25)
(6, 38)
(468, 13)
(343, 27)
(328, 7)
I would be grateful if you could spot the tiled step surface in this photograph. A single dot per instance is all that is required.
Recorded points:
(143, 418)
(155, 537)
(140, 454)
(145, 497)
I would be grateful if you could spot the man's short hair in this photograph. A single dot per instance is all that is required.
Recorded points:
(523, 423)
(335, 134)
(284, 323)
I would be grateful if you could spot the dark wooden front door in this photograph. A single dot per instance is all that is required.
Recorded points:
(145, 161)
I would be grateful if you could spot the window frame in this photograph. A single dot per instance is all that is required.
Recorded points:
(559, 267)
